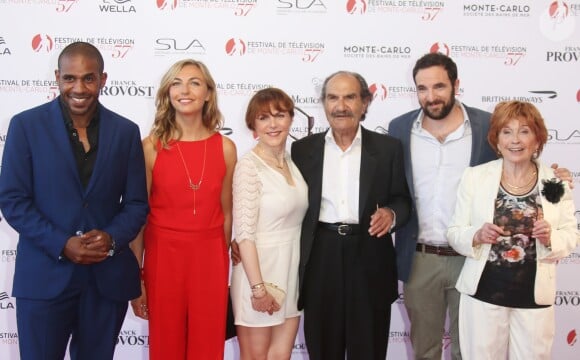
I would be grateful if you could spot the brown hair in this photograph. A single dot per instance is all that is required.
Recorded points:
(164, 125)
(265, 99)
(522, 111)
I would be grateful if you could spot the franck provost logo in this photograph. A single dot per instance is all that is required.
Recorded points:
(129, 88)
(132, 338)
(568, 54)
(567, 298)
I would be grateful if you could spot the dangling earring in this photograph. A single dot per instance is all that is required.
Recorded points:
(535, 154)
(498, 153)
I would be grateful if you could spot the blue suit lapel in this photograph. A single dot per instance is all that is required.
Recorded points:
(405, 138)
(106, 134)
(476, 139)
(61, 141)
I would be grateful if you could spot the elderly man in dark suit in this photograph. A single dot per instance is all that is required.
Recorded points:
(357, 195)
(73, 185)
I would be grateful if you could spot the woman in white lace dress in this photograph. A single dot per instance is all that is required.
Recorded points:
(270, 199)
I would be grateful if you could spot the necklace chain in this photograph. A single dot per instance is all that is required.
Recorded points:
(193, 186)
(271, 159)
(526, 186)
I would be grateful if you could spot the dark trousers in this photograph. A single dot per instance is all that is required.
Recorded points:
(339, 316)
(80, 313)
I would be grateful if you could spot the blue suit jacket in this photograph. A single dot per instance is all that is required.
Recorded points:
(481, 152)
(42, 198)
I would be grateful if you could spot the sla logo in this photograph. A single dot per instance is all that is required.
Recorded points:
(356, 6)
(166, 4)
(4, 50)
(175, 45)
(300, 4)
(572, 337)
(42, 42)
(440, 47)
(379, 91)
(5, 301)
(235, 47)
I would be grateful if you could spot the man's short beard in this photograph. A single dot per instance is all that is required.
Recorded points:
(446, 110)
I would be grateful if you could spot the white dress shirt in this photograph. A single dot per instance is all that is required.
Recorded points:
(340, 181)
(437, 170)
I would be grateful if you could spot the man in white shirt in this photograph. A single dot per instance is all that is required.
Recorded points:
(440, 139)
(357, 195)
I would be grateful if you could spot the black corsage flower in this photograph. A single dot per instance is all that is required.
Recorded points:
(553, 190)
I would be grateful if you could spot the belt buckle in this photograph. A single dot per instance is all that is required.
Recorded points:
(343, 229)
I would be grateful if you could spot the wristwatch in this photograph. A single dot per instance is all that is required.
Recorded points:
(112, 249)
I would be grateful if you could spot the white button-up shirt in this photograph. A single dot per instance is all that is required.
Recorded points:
(340, 180)
(437, 171)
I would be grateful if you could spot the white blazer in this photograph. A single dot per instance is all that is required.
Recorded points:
(475, 206)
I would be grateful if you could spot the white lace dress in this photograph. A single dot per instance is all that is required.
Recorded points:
(268, 211)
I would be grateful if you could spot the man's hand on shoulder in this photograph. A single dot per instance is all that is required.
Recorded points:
(564, 175)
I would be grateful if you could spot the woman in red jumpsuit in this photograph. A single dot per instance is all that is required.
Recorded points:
(183, 248)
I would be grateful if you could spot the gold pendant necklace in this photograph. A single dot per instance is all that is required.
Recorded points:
(518, 189)
(193, 186)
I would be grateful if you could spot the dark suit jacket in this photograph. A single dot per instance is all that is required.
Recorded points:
(42, 198)
(481, 152)
(381, 182)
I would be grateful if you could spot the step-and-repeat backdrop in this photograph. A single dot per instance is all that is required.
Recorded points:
(505, 49)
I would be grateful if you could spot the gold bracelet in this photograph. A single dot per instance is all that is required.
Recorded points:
(257, 286)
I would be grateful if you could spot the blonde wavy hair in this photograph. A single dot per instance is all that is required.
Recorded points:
(164, 125)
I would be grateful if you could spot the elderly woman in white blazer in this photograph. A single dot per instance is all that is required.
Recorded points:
(513, 221)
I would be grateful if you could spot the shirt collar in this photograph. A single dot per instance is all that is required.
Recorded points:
(329, 138)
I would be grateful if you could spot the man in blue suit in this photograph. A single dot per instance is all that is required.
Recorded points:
(440, 139)
(73, 186)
